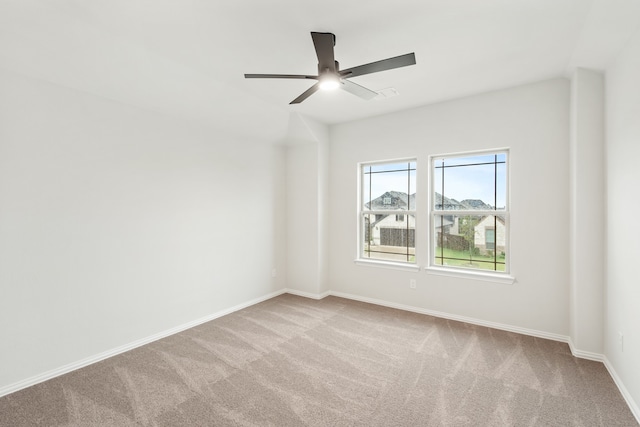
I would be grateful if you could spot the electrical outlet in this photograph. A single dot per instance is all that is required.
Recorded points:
(621, 337)
(274, 272)
(412, 283)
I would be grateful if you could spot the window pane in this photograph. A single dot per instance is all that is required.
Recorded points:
(470, 183)
(501, 186)
(389, 237)
(469, 160)
(469, 187)
(470, 241)
(366, 187)
(391, 167)
(389, 186)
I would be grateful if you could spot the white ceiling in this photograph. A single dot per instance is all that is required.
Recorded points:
(187, 57)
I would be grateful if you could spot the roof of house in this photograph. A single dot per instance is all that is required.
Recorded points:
(443, 202)
(393, 200)
(466, 204)
(397, 200)
(476, 204)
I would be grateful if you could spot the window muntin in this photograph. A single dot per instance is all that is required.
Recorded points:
(387, 211)
(469, 212)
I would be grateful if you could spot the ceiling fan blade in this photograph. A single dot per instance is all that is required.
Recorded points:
(307, 93)
(278, 76)
(324, 43)
(385, 64)
(358, 90)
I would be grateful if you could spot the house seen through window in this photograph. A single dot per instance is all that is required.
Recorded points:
(387, 211)
(469, 211)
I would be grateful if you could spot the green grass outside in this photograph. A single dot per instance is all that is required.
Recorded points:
(463, 260)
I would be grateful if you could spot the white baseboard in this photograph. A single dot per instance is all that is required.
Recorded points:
(633, 406)
(525, 331)
(307, 294)
(12, 388)
(584, 354)
(473, 321)
(635, 410)
(504, 327)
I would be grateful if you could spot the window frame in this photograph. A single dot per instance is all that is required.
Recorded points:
(362, 213)
(491, 275)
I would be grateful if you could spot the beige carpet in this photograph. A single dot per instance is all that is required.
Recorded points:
(292, 361)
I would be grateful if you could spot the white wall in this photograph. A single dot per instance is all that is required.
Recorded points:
(302, 210)
(587, 212)
(533, 121)
(622, 301)
(307, 204)
(117, 224)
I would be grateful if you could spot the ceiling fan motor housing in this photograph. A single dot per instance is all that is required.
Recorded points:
(327, 70)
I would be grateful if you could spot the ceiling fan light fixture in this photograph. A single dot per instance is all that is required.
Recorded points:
(329, 81)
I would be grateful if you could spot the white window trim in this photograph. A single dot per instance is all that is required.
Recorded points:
(482, 275)
(468, 273)
(397, 265)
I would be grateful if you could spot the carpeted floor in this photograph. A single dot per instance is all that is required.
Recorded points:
(292, 361)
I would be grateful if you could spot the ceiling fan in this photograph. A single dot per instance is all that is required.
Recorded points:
(331, 77)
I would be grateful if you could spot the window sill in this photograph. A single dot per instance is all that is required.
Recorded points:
(387, 264)
(505, 279)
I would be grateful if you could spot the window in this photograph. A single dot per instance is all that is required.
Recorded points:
(469, 211)
(490, 238)
(387, 211)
